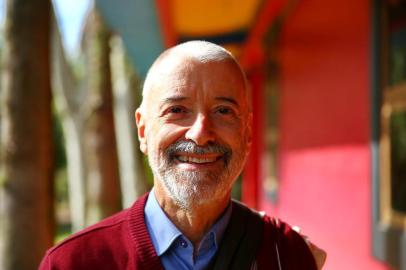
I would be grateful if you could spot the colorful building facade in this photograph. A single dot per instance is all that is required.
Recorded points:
(328, 84)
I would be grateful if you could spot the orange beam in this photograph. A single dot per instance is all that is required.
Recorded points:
(165, 19)
(252, 52)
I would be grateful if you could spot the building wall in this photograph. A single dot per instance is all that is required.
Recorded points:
(324, 156)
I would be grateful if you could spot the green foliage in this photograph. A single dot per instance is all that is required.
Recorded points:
(59, 143)
(3, 179)
(61, 188)
(61, 192)
(63, 231)
(63, 225)
(78, 67)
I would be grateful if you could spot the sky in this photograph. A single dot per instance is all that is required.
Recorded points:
(70, 15)
(2, 3)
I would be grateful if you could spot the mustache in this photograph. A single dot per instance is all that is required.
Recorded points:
(192, 148)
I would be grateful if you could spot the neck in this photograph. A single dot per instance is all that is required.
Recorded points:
(195, 221)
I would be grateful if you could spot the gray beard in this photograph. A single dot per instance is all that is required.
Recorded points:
(189, 189)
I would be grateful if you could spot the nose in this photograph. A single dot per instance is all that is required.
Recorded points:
(200, 131)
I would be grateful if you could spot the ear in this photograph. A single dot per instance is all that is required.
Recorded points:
(140, 121)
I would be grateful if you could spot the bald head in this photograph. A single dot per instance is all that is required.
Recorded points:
(197, 51)
(201, 51)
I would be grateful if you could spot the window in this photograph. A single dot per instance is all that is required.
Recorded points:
(393, 114)
(389, 83)
(270, 182)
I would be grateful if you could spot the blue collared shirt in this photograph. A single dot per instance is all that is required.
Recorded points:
(173, 248)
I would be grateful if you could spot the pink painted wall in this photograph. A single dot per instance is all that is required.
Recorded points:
(324, 125)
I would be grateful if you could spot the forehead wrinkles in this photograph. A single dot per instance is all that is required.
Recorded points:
(173, 73)
(167, 83)
(171, 67)
(162, 68)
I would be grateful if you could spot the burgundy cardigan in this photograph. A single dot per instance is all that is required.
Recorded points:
(122, 242)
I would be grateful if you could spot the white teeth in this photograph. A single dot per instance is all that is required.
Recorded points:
(196, 160)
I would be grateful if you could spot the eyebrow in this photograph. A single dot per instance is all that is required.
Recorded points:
(181, 98)
(173, 99)
(228, 99)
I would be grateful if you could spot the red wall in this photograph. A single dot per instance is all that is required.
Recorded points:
(324, 125)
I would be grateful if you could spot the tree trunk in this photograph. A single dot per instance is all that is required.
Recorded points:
(127, 96)
(27, 153)
(103, 188)
(68, 96)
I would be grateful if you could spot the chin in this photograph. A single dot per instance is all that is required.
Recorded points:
(191, 195)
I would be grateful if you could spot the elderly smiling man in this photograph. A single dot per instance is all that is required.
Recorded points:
(194, 124)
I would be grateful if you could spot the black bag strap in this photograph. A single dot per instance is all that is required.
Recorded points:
(241, 239)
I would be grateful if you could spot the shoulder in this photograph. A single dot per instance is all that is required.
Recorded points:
(89, 247)
(103, 243)
(290, 248)
(281, 246)
(97, 233)
(273, 227)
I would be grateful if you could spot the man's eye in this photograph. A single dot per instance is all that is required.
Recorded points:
(176, 110)
(224, 110)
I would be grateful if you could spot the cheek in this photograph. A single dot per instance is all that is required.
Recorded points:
(161, 136)
(233, 134)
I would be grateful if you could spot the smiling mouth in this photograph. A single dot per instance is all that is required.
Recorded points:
(197, 160)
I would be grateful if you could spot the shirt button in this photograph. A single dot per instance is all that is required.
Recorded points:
(183, 243)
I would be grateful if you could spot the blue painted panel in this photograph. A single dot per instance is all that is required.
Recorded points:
(137, 23)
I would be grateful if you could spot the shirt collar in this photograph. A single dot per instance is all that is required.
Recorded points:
(163, 232)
